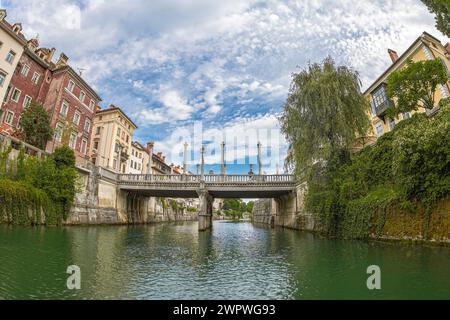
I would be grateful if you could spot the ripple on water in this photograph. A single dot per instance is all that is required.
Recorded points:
(234, 261)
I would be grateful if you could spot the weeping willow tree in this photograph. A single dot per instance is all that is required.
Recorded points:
(324, 113)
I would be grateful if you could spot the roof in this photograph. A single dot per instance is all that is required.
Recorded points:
(5, 25)
(37, 59)
(138, 145)
(400, 60)
(113, 108)
(78, 78)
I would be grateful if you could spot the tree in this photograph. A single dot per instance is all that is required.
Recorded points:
(324, 113)
(35, 125)
(416, 82)
(441, 8)
(250, 206)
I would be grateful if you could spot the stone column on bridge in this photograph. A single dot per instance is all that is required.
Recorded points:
(202, 151)
(185, 158)
(259, 159)
(222, 163)
(205, 212)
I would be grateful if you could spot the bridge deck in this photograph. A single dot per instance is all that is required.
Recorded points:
(219, 186)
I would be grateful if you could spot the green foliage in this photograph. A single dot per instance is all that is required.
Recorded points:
(409, 165)
(35, 125)
(416, 82)
(324, 112)
(441, 8)
(29, 185)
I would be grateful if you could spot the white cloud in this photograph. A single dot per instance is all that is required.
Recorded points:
(174, 61)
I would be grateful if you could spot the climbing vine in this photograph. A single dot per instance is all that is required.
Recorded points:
(407, 167)
(36, 191)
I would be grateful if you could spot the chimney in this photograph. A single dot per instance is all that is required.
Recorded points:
(62, 61)
(159, 154)
(149, 147)
(98, 108)
(51, 54)
(393, 54)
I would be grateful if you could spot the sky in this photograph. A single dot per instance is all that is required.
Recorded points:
(209, 71)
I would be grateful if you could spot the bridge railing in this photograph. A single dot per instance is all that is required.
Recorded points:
(228, 178)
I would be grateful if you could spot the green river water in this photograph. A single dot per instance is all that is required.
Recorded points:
(233, 261)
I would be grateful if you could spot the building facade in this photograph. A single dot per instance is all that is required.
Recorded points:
(30, 82)
(139, 159)
(111, 139)
(426, 47)
(12, 43)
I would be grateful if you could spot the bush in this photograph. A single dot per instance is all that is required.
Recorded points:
(408, 165)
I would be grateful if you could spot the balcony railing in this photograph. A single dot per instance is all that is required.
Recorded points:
(382, 108)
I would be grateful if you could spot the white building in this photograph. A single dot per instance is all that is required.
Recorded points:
(139, 159)
(12, 43)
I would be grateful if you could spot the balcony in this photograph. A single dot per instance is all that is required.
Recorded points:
(382, 108)
(124, 156)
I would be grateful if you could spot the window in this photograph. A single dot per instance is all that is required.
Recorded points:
(98, 130)
(91, 105)
(26, 101)
(25, 70)
(114, 164)
(391, 123)
(83, 146)
(132, 163)
(87, 125)
(73, 140)
(58, 132)
(379, 97)
(9, 117)
(64, 108)
(71, 86)
(379, 128)
(445, 65)
(76, 118)
(2, 79)
(82, 96)
(95, 145)
(118, 132)
(18, 122)
(139, 166)
(128, 138)
(35, 78)
(16, 95)
(10, 57)
(123, 135)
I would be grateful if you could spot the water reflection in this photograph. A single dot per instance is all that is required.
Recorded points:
(233, 261)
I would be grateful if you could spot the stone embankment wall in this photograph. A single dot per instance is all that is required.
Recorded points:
(289, 212)
(99, 201)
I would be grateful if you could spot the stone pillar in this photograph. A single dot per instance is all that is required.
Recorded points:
(205, 212)
(185, 158)
(202, 151)
(222, 163)
(259, 159)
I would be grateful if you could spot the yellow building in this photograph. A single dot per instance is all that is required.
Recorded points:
(111, 139)
(426, 47)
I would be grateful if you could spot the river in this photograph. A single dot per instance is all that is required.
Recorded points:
(234, 261)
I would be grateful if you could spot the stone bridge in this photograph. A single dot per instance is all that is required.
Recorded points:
(207, 187)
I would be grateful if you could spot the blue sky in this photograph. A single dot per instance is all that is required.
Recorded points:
(224, 66)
